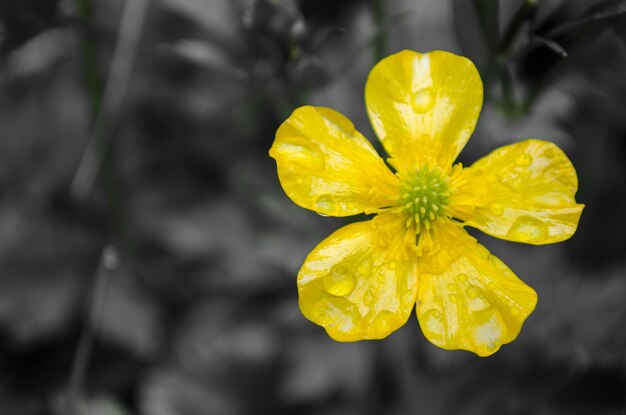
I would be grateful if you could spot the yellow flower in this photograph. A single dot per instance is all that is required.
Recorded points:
(363, 280)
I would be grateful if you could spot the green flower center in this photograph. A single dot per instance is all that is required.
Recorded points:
(424, 196)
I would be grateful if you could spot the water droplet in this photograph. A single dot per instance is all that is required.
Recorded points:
(433, 322)
(496, 208)
(408, 297)
(528, 229)
(454, 298)
(368, 298)
(381, 279)
(524, 160)
(383, 320)
(423, 99)
(339, 282)
(461, 278)
(510, 181)
(472, 292)
(302, 155)
(321, 313)
(390, 145)
(495, 261)
(299, 180)
(365, 268)
(325, 203)
(451, 287)
(392, 265)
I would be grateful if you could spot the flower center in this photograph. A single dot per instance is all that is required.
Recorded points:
(424, 197)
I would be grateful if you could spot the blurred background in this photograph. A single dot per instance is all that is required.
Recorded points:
(148, 255)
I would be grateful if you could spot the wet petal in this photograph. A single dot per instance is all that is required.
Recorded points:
(522, 192)
(467, 298)
(424, 107)
(325, 165)
(359, 282)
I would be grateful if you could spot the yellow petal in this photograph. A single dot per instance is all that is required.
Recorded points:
(424, 107)
(359, 282)
(522, 192)
(325, 165)
(467, 298)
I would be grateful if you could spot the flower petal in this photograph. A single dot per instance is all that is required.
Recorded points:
(522, 192)
(467, 298)
(424, 107)
(359, 282)
(325, 165)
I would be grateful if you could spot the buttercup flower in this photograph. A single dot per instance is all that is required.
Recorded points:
(363, 280)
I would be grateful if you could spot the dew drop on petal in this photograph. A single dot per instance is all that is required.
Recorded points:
(381, 279)
(433, 321)
(528, 229)
(454, 298)
(423, 99)
(383, 320)
(451, 287)
(408, 297)
(325, 203)
(472, 292)
(461, 278)
(321, 314)
(496, 208)
(393, 265)
(302, 155)
(365, 268)
(524, 160)
(368, 298)
(339, 282)
(497, 262)
(492, 287)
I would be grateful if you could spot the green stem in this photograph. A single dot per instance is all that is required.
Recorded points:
(488, 17)
(524, 11)
(89, 57)
(115, 88)
(107, 265)
(380, 40)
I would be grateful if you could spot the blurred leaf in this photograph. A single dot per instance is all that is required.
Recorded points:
(35, 308)
(129, 318)
(320, 368)
(488, 16)
(39, 287)
(594, 20)
(218, 337)
(320, 63)
(544, 120)
(41, 53)
(550, 44)
(97, 405)
(21, 20)
(470, 34)
(166, 392)
(216, 16)
(208, 55)
(593, 335)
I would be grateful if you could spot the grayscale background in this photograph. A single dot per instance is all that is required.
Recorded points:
(148, 255)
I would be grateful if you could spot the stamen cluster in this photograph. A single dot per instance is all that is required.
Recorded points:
(424, 197)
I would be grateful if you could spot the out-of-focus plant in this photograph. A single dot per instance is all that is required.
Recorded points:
(521, 56)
